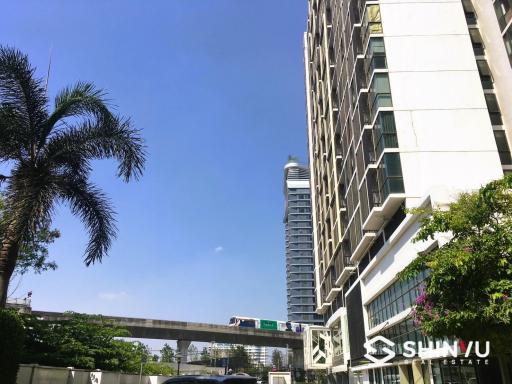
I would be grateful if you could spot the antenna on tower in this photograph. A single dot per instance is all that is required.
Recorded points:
(48, 73)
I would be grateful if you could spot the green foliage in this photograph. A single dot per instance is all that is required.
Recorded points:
(81, 341)
(239, 358)
(467, 293)
(33, 253)
(277, 359)
(47, 154)
(205, 356)
(12, 335)
(167, 354)
(155, 368)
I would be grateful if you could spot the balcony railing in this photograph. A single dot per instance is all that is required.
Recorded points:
(384, 133)
(503, 10)
(371, 23)
(379, 100)
(385, 180)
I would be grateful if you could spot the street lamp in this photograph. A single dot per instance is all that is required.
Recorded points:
(178, 360)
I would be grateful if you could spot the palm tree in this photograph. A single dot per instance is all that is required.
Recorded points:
(48, 155)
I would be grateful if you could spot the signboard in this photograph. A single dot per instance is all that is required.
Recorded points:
(268, 324)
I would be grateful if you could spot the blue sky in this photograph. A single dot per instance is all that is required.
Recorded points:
(217, 88)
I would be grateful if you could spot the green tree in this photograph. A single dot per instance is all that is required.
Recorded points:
(239, 358)
(49, 154)
(12, 335)
(33, 253)
(81, 341)
(155, 368)
(468, 290)
(167, 354)
(205, 356)
(277, 359)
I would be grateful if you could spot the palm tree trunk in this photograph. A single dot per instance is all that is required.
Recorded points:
(8, 258)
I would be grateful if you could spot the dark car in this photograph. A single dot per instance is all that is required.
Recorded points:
(224, 379)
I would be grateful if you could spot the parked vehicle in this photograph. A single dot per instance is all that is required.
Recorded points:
(220, 379)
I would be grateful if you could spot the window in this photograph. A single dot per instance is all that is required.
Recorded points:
(485, 74)
(476, 41)
(380, 93)
(393, 180)
(507, 39)
(469, 11)
(376, 55)
(384, 132)
(494, 109)
(503, 148)
(371, 22)
(394, 222)
(503, 9)
(395, 299)
(387, 375)
(443, 373)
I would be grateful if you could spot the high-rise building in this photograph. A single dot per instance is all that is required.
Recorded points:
(258, 355)
(300, 281)
(409, 103)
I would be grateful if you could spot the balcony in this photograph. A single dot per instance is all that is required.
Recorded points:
(385, 191)
(379, 95)
(365, 242)
(344, 275)
(503, 9)
(375, 56)
(379, 100)
(379, 214)
(470, 18)
(371, 23)
(384, 133)
(322, 308)
(333, 293)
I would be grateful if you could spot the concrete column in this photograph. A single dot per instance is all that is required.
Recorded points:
(183, 349)
(298, 358)
(404, 377)
(417, 373)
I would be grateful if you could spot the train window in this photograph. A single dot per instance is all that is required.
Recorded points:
(247, 323)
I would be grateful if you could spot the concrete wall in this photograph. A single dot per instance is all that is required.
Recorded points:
(442, 122)
(36, 374)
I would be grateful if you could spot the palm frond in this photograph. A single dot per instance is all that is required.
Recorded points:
(114, 138)
(12, 141)
(80, 100)
(22, 91)
(91, 205)
(29, 199)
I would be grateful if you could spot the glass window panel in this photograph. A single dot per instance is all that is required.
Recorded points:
(503, 148)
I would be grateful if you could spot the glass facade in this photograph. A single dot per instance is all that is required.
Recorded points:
(387, 375)
(400, 296)
(300, 280)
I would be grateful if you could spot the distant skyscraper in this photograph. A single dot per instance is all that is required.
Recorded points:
(300, 281)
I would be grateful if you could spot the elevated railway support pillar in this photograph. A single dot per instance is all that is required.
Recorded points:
(183, 349)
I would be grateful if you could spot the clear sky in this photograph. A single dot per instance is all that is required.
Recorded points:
(217, 88)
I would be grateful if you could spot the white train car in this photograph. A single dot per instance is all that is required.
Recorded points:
(271, 325)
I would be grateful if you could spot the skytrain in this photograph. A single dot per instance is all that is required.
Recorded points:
(272, 325)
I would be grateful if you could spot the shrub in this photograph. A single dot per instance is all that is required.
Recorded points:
(12, 338)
